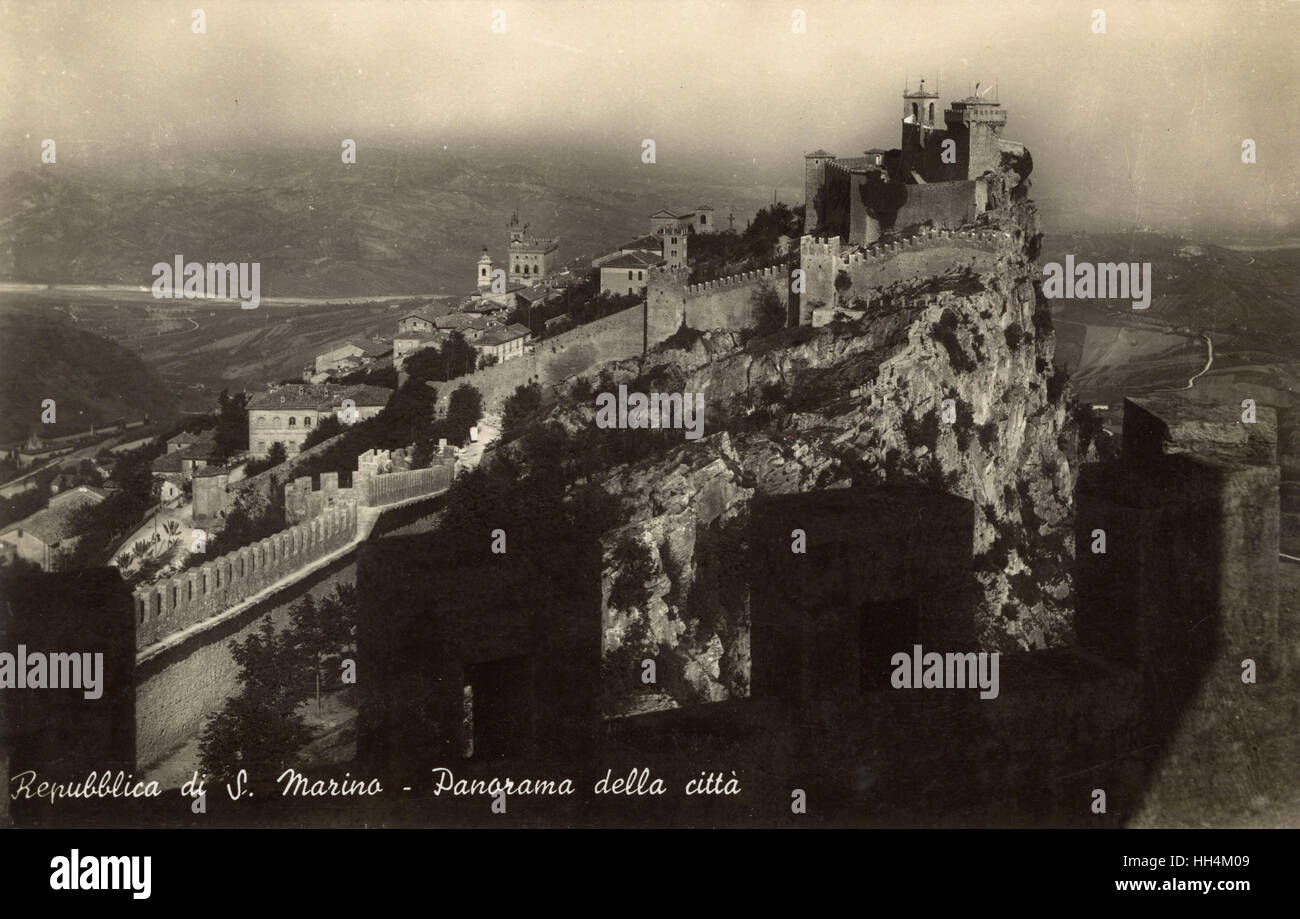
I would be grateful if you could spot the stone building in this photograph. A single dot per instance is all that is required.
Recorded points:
(45, 537)
(531, 258)
(288, 414)
(627, 274)
(505, 343)
(938, 176)
(697, 220)
(349, 355)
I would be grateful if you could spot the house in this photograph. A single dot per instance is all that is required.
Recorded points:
(421, 320)
(407, 343)
(48, 535)
(186, 454)
(288, 414)
(504, 344)
(181, 441)
(649, 246)
(471, 326)
(627, 274)
(698, 220)
(349, 355)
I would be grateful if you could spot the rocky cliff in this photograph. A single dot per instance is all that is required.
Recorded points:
(947, 380)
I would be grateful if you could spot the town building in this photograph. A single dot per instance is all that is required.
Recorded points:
(627, 274)
(46, 537)
(350, 355)
(504, 344)
(531, 258)
(288, 414)
(699, 220)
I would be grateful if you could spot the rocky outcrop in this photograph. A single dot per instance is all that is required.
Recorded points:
(946, 381)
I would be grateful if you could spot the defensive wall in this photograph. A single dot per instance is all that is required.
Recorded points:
(928, 253)
(186, 624)
(368, 489)
(615, 337)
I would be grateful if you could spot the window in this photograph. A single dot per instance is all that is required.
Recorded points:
(293, 422)
(629, 275)
(931, 111)
(915, 115)
(704, 218)
(261, 445)
(306, 422)
(276, 421)
(640, 275)
(261, 421)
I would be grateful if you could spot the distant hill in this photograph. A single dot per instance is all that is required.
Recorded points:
(91, 379)
(405, 222)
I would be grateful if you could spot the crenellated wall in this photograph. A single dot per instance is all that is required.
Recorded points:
(395, 487)
(725, 303)
(928, 253)
(198, 594)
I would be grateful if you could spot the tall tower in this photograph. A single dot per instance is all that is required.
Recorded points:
(814, 181)
(484, 270)
(976, 123)
(516, 231)
(920, 104)
(675, 247)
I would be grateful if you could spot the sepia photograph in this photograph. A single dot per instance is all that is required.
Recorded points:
(535, 414)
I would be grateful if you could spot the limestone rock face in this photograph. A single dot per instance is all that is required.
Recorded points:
(946, 382)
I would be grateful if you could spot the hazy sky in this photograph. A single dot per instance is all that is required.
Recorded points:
(1144, 122)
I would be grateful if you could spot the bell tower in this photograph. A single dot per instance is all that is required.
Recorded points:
(484, 270)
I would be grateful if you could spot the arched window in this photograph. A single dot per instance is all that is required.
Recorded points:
(293, 422)
(915, 115)
(306, 422)
(261, 421)
(276, 421)
(932, 112)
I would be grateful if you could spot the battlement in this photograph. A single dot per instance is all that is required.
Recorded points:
(771, 274)
(927, 238)
(201, 593)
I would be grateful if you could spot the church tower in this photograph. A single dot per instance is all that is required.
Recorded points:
(919, 105)
(484, 271)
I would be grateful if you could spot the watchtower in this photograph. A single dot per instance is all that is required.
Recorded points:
(976, 124)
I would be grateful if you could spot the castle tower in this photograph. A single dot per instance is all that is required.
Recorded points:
(516, 231)
(814, 181)
(976, 124)
(484, 270)
(920, 105)
(675, 247)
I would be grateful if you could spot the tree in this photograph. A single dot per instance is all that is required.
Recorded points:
(464, 409)
(520, 409)
(231, 435)
(767, 309)
(259, 729)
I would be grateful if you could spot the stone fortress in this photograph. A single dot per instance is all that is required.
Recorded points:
(928, 251)
(1123, 666)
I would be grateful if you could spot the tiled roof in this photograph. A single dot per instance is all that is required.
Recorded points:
(55, 523)
(373, 348)
(632, 260)
(818, 152)
(321, 397)
(501, 336)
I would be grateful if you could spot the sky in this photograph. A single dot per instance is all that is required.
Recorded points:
(1141, 124)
